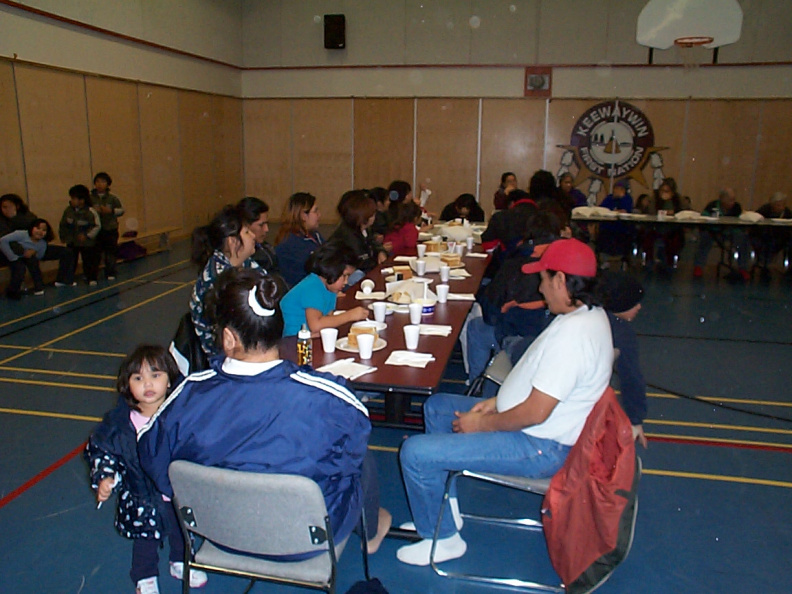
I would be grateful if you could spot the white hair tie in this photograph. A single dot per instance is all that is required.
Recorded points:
(256, 306)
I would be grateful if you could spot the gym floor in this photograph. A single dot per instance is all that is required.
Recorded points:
(713, 516)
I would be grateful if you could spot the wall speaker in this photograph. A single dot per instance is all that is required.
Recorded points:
(334, 31)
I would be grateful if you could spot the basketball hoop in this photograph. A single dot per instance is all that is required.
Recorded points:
(689, 49)
(693, 41)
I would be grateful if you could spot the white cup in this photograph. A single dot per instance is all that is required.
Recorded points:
(442, 293)
(380, 311)
(329, 336)
(661, 215)
(445, 270)
(460, 249)
(420, 267)
(421, 247)
(416, 309)
(458, 221)
(411, 333)
(365, 345)
(367, 286)
(469, 241)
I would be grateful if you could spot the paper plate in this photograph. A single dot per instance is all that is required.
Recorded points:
(379, 326)
(342, 344)
(417, 279)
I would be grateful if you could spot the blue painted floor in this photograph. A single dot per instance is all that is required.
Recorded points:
(714, 500)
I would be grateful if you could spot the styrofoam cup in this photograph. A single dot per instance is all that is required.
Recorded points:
(469, 241)
(416, 309)
(445, 270)
(420, 267)
(421, 250)
(367, 286)
(365, 345)
(411, 333)
(380, 310)
(442, 293)
(329, 337)
(460, 249)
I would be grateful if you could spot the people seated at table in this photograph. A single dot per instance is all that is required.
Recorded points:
(731, 238)
(402, 235)
(255, 214)
(298, 236)
(672, 239)
(571, 198)
(464, 207)
(357, 215)
(313, 300)
(224, 243)
(508, 183)
(621, 294)
(616, 238)
(254, 412)
(380, 225)
(767, 242)
(537, 415)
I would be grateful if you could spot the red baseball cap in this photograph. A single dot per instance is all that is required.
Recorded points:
(569, 256)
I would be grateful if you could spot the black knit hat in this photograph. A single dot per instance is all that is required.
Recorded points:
(620, 291)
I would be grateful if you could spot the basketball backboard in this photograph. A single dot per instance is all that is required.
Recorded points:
(662, 23)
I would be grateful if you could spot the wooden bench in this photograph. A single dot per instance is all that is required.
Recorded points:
(162, 235)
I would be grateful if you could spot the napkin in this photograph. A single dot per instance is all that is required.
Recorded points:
(458, 273)
(687, 215)
(347, 368)
(751, 216)
(409, 359)
(378, 295)
(434, 330)
(461, 297)
(404, 258)
(475, 255)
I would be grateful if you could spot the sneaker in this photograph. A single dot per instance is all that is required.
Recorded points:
(447, 549)
(59, 284)
(198, 578)
(148, 586)
(39, 292)
(698, 271)
(91, 283)
(111, 277)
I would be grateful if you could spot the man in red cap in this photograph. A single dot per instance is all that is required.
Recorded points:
(528, 428)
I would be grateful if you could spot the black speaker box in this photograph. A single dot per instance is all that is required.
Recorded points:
(334, 31)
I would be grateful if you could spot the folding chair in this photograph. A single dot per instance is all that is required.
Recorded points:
(497, 369)
(245, 519)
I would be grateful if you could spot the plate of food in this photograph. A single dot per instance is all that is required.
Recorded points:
(342, 344)
(378, 326)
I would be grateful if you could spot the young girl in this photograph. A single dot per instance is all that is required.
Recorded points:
(79, 227)
(109, 208)
(224, 243)
(403, 231)
(298, 236)
(313, 299)
(35, 248)
(144, 381)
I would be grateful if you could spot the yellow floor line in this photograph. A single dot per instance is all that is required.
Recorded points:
(727, 400)
(37, 413)
(95, 292)
(66, 351)
(56, 384)
(96, 323)
(719, 426)
(66, 373)
(719, 477)
(720, 440)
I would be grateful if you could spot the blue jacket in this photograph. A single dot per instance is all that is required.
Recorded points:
(282, 420)
(293, 253)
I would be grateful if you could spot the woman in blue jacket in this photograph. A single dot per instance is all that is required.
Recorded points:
(254, 412)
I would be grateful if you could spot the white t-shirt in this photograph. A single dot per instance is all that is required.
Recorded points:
(570, 361)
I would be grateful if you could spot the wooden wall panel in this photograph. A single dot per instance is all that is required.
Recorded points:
(228, 148)
(383, 141)
(512, 139)
(114, 137)
(268, 152)
(54, 137)
(773, 172)
(322, 141)
(163, 204)
(667, 118)
(447, 148)
(196, 128)
(721, 149)
(12, 165)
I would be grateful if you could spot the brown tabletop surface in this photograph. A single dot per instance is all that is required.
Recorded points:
(389, 378)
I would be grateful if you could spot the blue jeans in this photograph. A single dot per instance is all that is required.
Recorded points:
(427, 459)
(480, 344)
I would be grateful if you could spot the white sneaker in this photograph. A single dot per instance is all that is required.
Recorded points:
(453, 503)
(111, 278)
(198, 578)
(40, 292)
(57, 284)
(91, 283)
(449, 548)
(148, 586)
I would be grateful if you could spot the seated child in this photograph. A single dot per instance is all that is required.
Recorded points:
(144, 381)
(313, 299)
(464, 207)
(402, 234)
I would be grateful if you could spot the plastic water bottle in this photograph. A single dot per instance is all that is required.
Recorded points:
(304, 346)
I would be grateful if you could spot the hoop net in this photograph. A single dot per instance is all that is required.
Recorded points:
(690, 50)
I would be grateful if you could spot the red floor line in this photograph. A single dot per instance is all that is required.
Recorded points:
(41, 476)
(706, 442)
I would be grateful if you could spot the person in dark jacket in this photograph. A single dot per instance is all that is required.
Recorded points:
(144, 382)
(725, 206)
(255, 214)
(298, 236)
(357, 215)
(464, 207)
(254, 412)
(109, 207)
(79, 228)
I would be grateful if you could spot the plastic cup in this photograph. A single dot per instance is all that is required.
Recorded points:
(420, 267)
(411, 333)
(416, 309)
(380, 311)
(469, 241)
(445, 270)
(329, 337)
(460, 249)
(442, 293)
(365, 345)
(421, 250)
(661, 215)
(367, 286)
